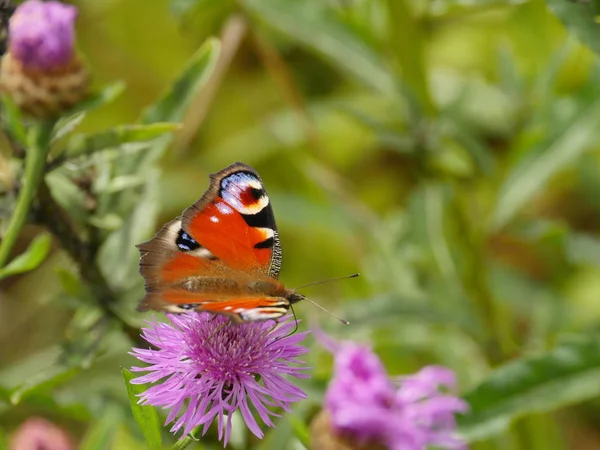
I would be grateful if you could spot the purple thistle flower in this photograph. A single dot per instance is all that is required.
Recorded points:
(409, 414)
(204, 368)
(41, 34)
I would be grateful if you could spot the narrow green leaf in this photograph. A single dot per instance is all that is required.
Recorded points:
(300, 430)
(107, 95)
(118, 256)
(108, 221)
(101, 433)
(532, 173)
(117, 137)
(581, 19)
(172, 105)
(122, 182)
(145, 416)
(311, 24)
(12, 121)
(30, 259)
(407, 41)
(43, 381)
(68, 195)
(67, 124)
(565, 375)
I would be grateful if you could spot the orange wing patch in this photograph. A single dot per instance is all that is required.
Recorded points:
(221, 229)
(183, 265)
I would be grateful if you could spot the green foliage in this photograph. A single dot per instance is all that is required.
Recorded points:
(446, 150)
(581, 17)
(145, 416)
(562, 376)
(30, 259)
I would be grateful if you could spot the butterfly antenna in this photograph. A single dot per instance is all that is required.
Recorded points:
(345, 322)
(354, 275)
(295, 320)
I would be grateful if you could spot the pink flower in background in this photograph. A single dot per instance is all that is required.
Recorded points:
(412, 414)
(41, 34)
(37, 433)
(205, 368)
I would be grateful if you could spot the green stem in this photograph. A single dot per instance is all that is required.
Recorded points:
(192, 437)
(38, 146)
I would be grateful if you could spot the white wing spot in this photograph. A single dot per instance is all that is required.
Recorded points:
(223, 208)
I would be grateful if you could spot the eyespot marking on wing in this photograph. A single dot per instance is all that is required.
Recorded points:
(244, 192)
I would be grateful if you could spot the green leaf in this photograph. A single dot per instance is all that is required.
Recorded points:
(172, 105)
(312, 25)
(12, 121)
(533, 172)
(108, 94)
(67, 124)
(68, 194)
(42, 381)
(581, 19)
(563, 376)
(118, 256)
(300, 430)
(145, 416)
(407, 41)
(30, 259)
(117, 137)
(100, 435)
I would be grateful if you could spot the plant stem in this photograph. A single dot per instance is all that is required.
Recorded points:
(38, 146)
(192, 437)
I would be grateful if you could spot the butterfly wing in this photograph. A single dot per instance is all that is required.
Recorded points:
(208, 258)
(235, 221)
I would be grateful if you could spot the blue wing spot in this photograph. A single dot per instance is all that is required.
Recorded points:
(185, 242)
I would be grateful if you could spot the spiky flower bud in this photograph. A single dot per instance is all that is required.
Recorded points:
(41, 71)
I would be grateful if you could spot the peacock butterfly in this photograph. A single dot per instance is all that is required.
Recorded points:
(222, 255)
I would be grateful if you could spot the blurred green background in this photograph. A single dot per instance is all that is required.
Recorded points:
(449, 151)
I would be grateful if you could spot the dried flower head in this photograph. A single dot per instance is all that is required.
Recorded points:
(204, 368)
(364, 406)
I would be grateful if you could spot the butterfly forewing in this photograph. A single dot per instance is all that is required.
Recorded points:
(235, 221)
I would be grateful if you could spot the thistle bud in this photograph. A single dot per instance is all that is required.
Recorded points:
(41, 71)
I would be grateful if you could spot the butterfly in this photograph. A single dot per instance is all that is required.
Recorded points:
(222, 255)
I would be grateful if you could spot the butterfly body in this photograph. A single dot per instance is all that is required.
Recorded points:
(222, 255)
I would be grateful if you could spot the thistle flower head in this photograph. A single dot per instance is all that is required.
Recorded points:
(41, 34)
(407, 414)
(204, 368)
